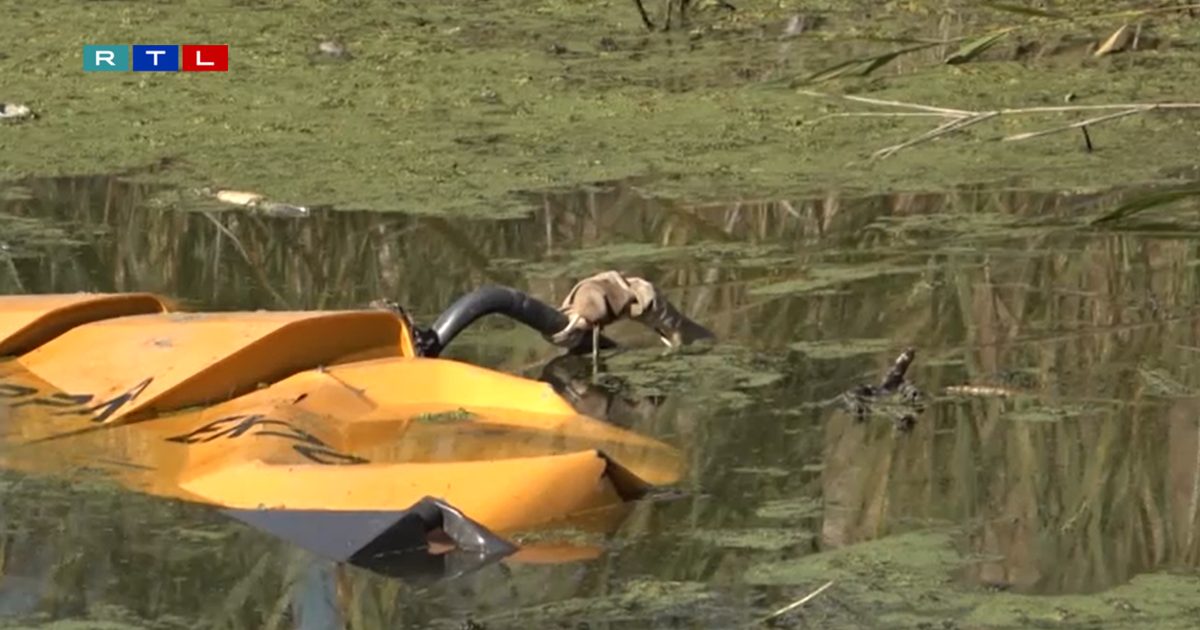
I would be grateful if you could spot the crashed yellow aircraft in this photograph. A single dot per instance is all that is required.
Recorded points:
(342, 432)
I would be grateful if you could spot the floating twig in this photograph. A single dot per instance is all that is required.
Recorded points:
(876, 101)
(986, 391)
(875, 115)
(960, 119)
(798, 603)
(860, 399)
(955, 125)
(895, 376)
(1083, 123)
(1114, 43)
(973, 46)
(1083, 108)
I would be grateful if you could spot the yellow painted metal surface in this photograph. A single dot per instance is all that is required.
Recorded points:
(28, 321)
(373, 434)
(165, 362)
(320, 440)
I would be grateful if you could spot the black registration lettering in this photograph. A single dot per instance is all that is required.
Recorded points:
(232, 427)
(105, 410)
(57, 401)
(9, 391)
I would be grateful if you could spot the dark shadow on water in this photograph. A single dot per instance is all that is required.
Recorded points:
(1086, 473)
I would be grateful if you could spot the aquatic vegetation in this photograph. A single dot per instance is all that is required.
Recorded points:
(531, 144)
(1044, 413)
(24, 236)
(1149, 201)
(841, 348)
(901, 580)
(739, 371)
(461, 415)
(1066, 317)
(459, 109)
(637, 600)
(790, 509)
(763, 539)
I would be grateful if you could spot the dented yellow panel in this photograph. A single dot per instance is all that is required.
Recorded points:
(503, 494)
(300, 411)
(337, 440)
(159, 363)
(28, 321)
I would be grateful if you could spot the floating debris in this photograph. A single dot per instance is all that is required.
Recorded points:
(331, 47)
(987, 391)
(801, 23)
(239, 198)
(1115, 42)
(255, 201)
(490, 96)
(798, 603)
(331, 50)
(14, 111)
(863, 399)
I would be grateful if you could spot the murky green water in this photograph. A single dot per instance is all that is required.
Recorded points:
(1072, 500)
(1053, 479)
(449, 108)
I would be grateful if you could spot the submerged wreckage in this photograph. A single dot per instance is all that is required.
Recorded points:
(342, 432)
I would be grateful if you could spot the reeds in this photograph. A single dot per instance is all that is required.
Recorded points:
(970, 47)
(960, 119)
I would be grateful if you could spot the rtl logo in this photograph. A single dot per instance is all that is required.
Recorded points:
(144, 58)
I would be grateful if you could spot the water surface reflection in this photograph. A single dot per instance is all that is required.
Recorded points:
(1085, 474)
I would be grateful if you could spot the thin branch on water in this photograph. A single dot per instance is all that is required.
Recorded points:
(876, 101)
(973, 46)
(1084, 108)
(798, 603)
(1135, 13)
(960, 118)
(957, 124)
(1074, 125)
(876, 115)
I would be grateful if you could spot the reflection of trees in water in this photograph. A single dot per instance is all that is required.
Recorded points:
(1075, 501)
(1104, 489)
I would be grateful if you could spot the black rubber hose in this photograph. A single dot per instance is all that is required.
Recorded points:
(506, 301)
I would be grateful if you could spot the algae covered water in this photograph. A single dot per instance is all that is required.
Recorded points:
(1050, 477)
(821, 184)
